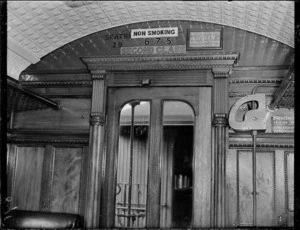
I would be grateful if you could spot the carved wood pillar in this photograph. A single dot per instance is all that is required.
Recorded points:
(96, 142)
(220, 136)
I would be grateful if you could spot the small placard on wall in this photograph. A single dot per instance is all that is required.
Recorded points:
(204, 39)
(283, 124)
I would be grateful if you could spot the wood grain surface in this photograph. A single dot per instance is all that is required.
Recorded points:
(66, 180)
(28, 177)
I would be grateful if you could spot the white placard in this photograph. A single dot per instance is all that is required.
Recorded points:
(155, 32)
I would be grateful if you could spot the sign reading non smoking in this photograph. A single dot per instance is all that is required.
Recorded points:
(155, 32)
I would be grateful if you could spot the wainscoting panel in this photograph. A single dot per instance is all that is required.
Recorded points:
(265, 185)
(65, 189)
(27, 177)
(265, 188)
(245, 188)
(231, 185)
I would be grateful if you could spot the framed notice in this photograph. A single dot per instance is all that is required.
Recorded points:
(204, 39)
(283, 124)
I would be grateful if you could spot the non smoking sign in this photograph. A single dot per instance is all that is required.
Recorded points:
(155, 32)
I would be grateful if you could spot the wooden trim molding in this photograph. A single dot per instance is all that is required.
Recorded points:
(255, 68)
(160, 78)
(56, 84)
(55, 138)
(126, 63)
(264, 140)
(255, 81)
(63, 141)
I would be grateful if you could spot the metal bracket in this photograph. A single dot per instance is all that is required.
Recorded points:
(254, 119)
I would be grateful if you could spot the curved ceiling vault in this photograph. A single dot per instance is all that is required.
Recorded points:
(36, 28)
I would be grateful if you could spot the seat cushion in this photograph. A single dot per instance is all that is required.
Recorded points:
(36, 219)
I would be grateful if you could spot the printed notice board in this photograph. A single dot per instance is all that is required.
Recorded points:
(204, 39)
(283, 124)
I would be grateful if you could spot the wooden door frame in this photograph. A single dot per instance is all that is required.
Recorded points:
(216, 65)
(199, 98)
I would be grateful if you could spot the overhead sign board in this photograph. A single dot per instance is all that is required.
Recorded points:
(204, 39)
(155, 32)
(283, 124)
(153, 50)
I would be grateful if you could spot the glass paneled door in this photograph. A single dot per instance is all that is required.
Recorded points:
(150, 166)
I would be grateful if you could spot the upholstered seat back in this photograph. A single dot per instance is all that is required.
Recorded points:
(36, 219)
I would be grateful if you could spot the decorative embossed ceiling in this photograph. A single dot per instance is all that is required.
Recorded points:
(36, 28)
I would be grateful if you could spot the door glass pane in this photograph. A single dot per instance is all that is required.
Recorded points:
(131, 189)
(177, 165)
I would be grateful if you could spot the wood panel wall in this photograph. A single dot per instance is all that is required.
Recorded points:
(74, 115)
(47, 177)
(274, 193)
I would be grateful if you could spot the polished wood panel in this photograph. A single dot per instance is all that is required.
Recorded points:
(27, 178)
(280, 218)
(153, 201)
(231, 185)
(265, 180)
(65, 194)
(289, 187)
(265, 188)
(74, 114)
(202, 159)
(169, 135)
(290, 180)
(46, 178)
(245, 188)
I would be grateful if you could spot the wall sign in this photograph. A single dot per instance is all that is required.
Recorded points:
(204, 39)
(155, 50)
(283, 124)
(155, 32)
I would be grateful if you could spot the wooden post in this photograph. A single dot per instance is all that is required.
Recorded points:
(96, 142)
(220, 124)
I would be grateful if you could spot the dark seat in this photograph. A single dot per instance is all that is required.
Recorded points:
(36, 219)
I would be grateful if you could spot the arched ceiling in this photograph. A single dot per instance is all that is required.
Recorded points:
(36, 28)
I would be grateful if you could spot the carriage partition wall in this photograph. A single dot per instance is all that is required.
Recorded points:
(47, 176)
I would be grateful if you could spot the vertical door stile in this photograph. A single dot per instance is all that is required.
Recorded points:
(153, 194)
(202, 161)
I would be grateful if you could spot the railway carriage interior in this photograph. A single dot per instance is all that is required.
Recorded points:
(149, 114)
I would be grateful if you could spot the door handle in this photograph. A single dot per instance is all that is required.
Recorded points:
(164, 205)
